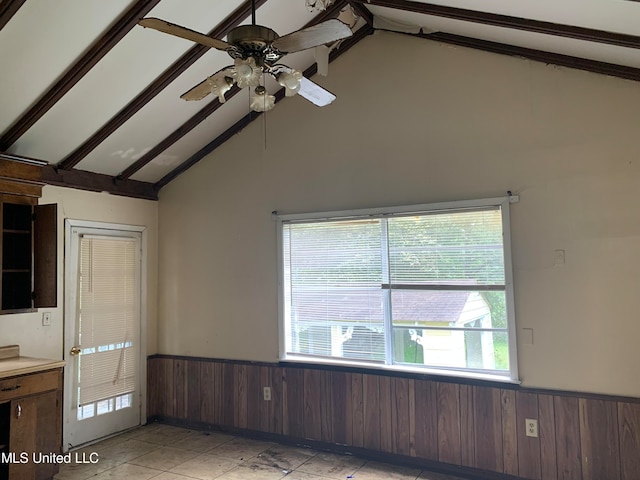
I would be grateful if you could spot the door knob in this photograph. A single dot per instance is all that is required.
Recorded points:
(75, 351)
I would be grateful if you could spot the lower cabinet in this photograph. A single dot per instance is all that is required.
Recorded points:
(30, 428)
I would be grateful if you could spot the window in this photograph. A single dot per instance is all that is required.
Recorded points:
(423, 288)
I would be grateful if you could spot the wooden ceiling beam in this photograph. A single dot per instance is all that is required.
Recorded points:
(8, 9)
(211, 107)
(594, 66)
(251, 116)
(33, 172)
(505, 21)
(78, 70)
(159, 84)
(363, 12)
(98, 182)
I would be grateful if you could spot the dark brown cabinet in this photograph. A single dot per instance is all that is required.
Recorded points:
(28, 250)
(30, 425)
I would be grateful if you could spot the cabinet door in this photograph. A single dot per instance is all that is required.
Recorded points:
(45, 256)
(34, 429)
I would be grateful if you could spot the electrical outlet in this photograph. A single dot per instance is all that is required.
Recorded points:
(266, 393)
(531, 426)
(46, 319)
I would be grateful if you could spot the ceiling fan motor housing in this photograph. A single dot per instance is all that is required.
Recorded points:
(253, 41)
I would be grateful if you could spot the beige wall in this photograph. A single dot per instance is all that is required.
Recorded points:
(437, 123)
(26, 329)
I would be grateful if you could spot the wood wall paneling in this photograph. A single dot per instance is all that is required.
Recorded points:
(358, 410)
(509, 432)
(487, 417)
(386, 401)
(194, 393)
(467, 427)
(326, 412)
(255, 398)
(376, 417)
(481, 427)
(449, 450)
(426, 420)
(547, 435)
(567, 419)
(228, 396)
(180, 389)
(528, 448)
(341, 408)
(629, 431)
(599, 440)
(240, 395)
(293, 413)
(208, 394)
(401, 416)
(312, 404)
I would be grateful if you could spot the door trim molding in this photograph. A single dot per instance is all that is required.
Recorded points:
(69, 224)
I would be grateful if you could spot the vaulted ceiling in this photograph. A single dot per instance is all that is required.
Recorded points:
(94, 96)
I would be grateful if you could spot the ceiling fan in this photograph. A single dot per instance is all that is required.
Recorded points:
(256, 50)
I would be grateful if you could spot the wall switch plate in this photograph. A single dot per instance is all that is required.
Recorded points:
(266, 393)
(46, 319)
(531, 426)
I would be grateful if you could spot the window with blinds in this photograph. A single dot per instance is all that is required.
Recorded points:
(422, 287)
(108, 308)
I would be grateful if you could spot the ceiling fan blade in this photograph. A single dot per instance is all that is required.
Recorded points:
(315, 93)
(321, 54)
(183, 32)
(198, 92)
(325, 32)
(219, 83)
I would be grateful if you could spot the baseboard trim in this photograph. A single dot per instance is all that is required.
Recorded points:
(366, 454)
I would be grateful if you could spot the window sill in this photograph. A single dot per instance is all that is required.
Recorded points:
(397, 370)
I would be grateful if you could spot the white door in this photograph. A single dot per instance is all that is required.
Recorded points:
(105, 357)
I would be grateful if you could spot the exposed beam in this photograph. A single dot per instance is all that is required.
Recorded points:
(247, 119)
(97, 182)
(594, 66)
(529, 25)
(362, 11)
(35, 172)
(78, 70)
(211, 107)
(8, 9)
(159, 84)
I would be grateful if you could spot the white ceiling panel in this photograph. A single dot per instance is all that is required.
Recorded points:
(41, 41)
(139, 58)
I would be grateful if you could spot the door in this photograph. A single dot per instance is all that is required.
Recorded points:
(103, 348)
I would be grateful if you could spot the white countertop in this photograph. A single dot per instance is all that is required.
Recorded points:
(14, 364)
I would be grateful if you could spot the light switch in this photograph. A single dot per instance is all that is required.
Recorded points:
(526, 336)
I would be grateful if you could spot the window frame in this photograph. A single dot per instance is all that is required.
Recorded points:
(503, 203)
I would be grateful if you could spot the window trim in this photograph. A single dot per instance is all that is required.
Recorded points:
(499, 202)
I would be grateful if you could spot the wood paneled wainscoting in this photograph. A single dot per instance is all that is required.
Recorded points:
(469, 428)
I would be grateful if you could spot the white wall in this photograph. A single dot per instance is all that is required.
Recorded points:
(26, 329)
(420, 122)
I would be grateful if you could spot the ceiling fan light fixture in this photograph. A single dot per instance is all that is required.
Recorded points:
(261, 101)
(318, 5)
(246, 73)
(220, 84)
(290, 81)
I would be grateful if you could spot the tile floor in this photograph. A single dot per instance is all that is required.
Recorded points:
(164, 452)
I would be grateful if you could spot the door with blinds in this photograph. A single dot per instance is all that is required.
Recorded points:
(103, 331)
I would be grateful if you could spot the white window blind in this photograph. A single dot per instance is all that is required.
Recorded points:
(416, 288)
(107, 317)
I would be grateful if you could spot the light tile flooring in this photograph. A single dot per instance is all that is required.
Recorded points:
(164, 452)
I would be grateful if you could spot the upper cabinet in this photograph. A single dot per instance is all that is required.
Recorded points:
(28, 243)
